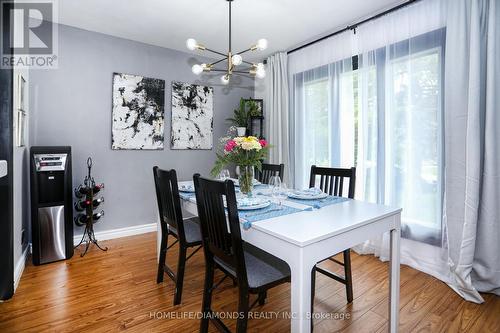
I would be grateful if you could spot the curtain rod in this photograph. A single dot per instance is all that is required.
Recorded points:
(355, 25)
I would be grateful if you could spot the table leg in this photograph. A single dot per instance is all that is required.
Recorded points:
(394, 281)
(301, 298)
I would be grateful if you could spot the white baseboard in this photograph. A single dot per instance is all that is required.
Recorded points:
(18, 272)
(121, 232)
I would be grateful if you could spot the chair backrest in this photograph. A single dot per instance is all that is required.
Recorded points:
(220, 231)
(169, 204)
(270, 170)
(332, 180)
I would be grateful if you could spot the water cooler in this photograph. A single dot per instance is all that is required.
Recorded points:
(51, 204)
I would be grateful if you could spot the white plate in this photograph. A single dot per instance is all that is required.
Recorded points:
(186, 186)
(237, 183)
(307, 197)
(253, 207)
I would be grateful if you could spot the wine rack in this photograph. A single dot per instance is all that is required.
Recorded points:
(88, 201)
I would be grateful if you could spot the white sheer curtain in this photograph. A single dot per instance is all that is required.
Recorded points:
(375, 99)
(276, 110)
(400, 156)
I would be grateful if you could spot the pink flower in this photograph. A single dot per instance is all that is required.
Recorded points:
(230, 145)
(263, 143)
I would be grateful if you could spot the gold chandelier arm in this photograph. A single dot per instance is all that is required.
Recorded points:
(249, 63)
(216, 62)
(244, 51)
(216, 52)
(242, 72)
(219, 70)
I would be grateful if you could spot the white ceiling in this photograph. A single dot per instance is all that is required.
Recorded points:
(168, 23)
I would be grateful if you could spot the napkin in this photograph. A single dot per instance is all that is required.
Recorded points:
(313, 191)
(251, 201)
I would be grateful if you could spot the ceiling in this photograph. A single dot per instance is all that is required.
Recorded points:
(168, 23)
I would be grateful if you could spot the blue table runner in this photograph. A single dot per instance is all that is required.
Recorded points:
(273, 210)
(319, 203)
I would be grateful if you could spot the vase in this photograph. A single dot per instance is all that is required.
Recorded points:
(245, 179)
(241, 131)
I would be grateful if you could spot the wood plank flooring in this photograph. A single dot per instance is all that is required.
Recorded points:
(116, 291)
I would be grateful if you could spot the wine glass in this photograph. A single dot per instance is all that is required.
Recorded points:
(280, 193)
(224, 174)
(274, 181)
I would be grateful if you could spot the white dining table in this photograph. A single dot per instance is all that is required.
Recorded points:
(305, 238)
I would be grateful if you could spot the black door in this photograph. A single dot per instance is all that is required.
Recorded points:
(6, 182)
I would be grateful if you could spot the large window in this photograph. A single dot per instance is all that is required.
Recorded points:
(413, 137)
(382, 114)
(317, 120)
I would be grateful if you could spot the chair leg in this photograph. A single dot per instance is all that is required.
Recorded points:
(243, 304)
(313, 293)
(207, 296)
(179, 280)
(348, 275)
(262, 298)
(163, 256)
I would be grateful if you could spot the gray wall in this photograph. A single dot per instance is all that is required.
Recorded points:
(72, 106)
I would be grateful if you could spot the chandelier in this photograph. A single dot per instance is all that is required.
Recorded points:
(233, 59)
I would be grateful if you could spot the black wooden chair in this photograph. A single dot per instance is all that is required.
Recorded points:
(186, 231)
(331, 181)
(255, 270)
(268, 171)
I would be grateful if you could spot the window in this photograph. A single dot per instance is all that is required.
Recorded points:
(413, 136)
(384, 118)
(317, 120)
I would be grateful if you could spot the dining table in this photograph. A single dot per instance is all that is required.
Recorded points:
(313, 233)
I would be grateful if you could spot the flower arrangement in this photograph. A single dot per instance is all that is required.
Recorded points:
(245, 151)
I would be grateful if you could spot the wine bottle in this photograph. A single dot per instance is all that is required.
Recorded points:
(97, 216)
(80, 192)
(97, 202)
(98, 187)
(80, 206)
(81, 220)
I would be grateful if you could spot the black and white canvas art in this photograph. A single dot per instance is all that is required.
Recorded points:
(192, 116)
(138, 112)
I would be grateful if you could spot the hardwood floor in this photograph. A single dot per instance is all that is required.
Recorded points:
(117, 290)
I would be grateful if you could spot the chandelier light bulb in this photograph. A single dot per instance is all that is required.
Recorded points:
(260, 66)
(260, 73)
(262, 44)
(237, 59)
(191, 44)
(197, 69)
(224, 79)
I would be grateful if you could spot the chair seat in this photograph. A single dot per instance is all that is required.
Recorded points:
(191, 229)
(263, 269)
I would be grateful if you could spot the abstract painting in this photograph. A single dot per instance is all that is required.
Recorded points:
(138, 112)
(192, 116)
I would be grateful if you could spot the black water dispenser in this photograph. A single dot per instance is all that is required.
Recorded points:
(51, 204)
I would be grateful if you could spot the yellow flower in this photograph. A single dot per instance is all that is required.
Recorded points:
(239, 139)
(251, 145)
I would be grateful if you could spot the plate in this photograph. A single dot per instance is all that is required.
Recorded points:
(252, 203)
(253, 207)
(237, 183)
(307, 196)
(187, 187)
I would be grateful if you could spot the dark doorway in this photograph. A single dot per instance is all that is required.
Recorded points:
(6, 182)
